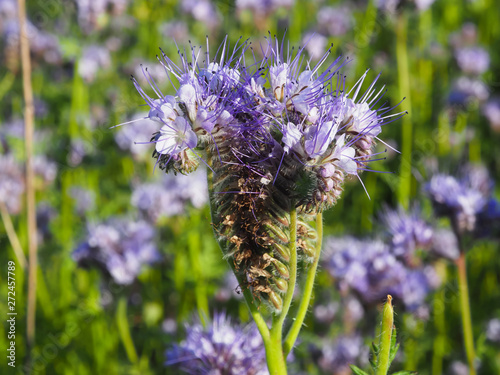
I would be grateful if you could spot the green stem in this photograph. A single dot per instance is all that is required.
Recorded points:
(293, 333)
(404, 90)
(197, 269)
(466, 315)
(124, 330)
(383, 360)
(439, 322)
(277, 357)
(12, 235)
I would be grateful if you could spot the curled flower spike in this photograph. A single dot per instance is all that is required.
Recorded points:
(277, 134)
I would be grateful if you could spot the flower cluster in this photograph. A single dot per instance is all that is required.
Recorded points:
(119, 246)
(465, 200)
(11, 183)
(276, 134)
(171, 196)
(371, 271)
(222, 348)
(407, 232)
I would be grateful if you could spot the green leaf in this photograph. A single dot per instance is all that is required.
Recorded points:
(394, 345)
(357, 370)
(405, 373)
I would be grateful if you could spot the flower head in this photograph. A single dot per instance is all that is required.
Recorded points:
(222, 348)
(464, 199)
(120, 247)
(275, 133)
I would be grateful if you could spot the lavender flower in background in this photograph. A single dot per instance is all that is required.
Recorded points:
(11, 183)
(445, 244)
(466, 90)
(263, 8)
(171, 195)
(492, 112)
(43, 46)
(84, 199)
(326, 313)
(407, 232)
(229, 288)
(203, 11)
(221, 348)
(45, 169)
(45, 213)
(94, 58)
(462, 199)
(458, 368)
(315, 44)
(473, 60)
(493, 330)
(336, 356)
(133, 136)
(176, 30)
(371, 270)
(120, 247)
(334, 21)
(91, 13)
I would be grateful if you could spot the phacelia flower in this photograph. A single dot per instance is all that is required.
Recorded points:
(492, 112)
(370, 270)
(11, 183)
(221, 348)
(171, 196)
(463, 199)
(346, 350)
(407, 232)
(473, 60)
(493, 330)
(120, 247)
(275, 133)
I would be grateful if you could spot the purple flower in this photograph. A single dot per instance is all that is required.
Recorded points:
(492, 112)
(171, 195)
(84, 199)
(94, 58)
(221, 348)
(335, 21)
(45, 169)
(445, 244)
(203, 11)
(493, 330)
(473, 60)
(119, 246)
(263, 8)
(407, 231)
(11, 183)
(134, 136)
(346, 350)
(466, 90)
(368, 268)
(461, 199)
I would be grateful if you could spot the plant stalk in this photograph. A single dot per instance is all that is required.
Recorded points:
(383, 360)
(30, 186)
(466, 315)
(305, 301)
(12, 235)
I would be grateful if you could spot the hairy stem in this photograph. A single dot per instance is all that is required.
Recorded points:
(383, 361)
(277, 359)
(466, 315)
(293, 333)
(12, 235)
